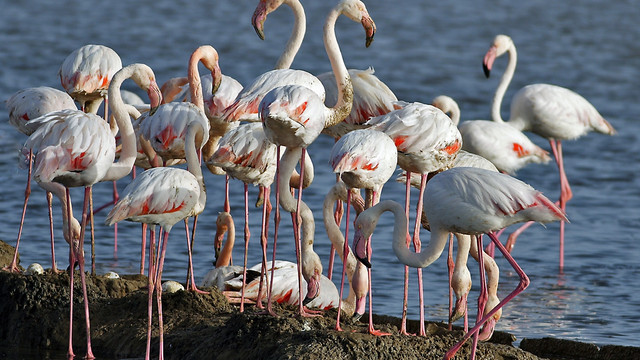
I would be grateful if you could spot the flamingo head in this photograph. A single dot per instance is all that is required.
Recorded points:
(260, 14)
(71, 232)
(313, 288)
(501, 44)
(146, 79)
(360, 245)
(223, 223)
(209, 58)
(357, 11)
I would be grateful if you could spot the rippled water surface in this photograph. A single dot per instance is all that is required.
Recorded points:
(422, 49)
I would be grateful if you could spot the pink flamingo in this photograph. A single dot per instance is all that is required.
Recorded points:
(364, 158)
(551, 111)
(427, 141)
(245, 285)
(163, 196)
(78, 149)
(505, 146)
(468, 201)
(24, 105)
(293, 116)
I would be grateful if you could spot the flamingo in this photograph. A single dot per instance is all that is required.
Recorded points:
(163, 196)
(364, 158)
(505, 146)
(233, 278)
(85, 74)
(24, 105)
(74, 149)
(468, 201)
(427, 141)
(550, 111)
(293, 116)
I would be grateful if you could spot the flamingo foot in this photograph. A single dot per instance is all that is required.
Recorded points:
(305, 312)
(268, 311)
(487, 330)
(13, 267)
(375, 332)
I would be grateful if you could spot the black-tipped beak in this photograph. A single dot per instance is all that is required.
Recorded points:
(306, 301)
(364, 261)
(486, 70)
(258, 18)
(370, 29)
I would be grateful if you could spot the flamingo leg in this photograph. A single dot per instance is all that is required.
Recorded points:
(116, 197)
(93, 237)
(374, 195)
(227, 204)
(450, 266)
(54, 267)
(150, 287)
(405, 299)
(345, 253)
(142, 250)
(247, 235)
(13, 267)
(276, 223)
(266, 211)
(159, 292)
(72, 264)
(565, 191)
(523, 284)
(338, 218)
(511, 240)
(80, 257)
(417, 245)
(191, 282)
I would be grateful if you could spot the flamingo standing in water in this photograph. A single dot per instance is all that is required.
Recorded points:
(468, 201)
(78, 149)
(364, 158)
(24, 105)
(427, 142)
(551, 111)
(163, 196)
(293, 116)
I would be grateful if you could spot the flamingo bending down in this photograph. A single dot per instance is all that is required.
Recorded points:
(78, 149)
(364, 158)
(231, 279)
(467, 201)
(24, 105)
(163, 196)
(551, 111)
(427, 141)
(293, 116)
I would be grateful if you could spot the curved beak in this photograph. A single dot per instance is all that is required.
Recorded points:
(360, 249)
(216, 75)
(487, 62)
(258, 18)
(217, 244)
(155, 97)
(369, 28)
(313, 289)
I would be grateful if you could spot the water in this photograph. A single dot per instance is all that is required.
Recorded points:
(420, 50)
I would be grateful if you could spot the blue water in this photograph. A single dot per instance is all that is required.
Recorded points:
(421, 49)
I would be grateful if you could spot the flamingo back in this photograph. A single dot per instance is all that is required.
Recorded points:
(87, 71)
(30, 103)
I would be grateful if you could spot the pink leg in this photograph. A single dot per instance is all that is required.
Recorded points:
(227, 204)
(247, 235)
(524, 282)
(276, 224)
(54, 267)
(13, 267)
(116, 197)
(565, 192)
(72, 265)
(142, 250)
(191, 282)
(159, 292)
(80, 257)
(417, 245)
(93, 237)
(372, 330)
(338, 218)
(150, 286)
(264, 232)
(511, 240)
(345, 253)
(450, 266)
(405, 299)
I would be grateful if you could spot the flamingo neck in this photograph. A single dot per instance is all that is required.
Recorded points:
(297, 35)
(225, 254)
(129, 151)
(193, 162)
(504, 84)
(454, 110)
(462, 255)
(195, 84)
(59, 191)
(342, 108)
(419, 260)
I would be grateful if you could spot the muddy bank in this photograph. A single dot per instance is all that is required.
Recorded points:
(35, 313)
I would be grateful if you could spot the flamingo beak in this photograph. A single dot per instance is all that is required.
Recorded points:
(313, 289)
(370, 29)
(360, 249)
(216, 75)
(459, 310)
(155, 97)
(258, 18)
(488, 60)
(487, 330)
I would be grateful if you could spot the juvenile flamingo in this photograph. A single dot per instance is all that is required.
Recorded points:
(467, 201)
(551, 111)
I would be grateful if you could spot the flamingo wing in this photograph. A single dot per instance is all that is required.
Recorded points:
(30, 103)
(88, 70)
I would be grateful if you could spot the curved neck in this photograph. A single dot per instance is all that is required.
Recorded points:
(342, 108)
(464, 246)
(59, 191)
(504, 84)
(419, 260)
(297, 35)
(195, 84)
(224, 259)
(191, 155)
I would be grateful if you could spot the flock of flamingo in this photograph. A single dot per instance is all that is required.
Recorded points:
(259, 134)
